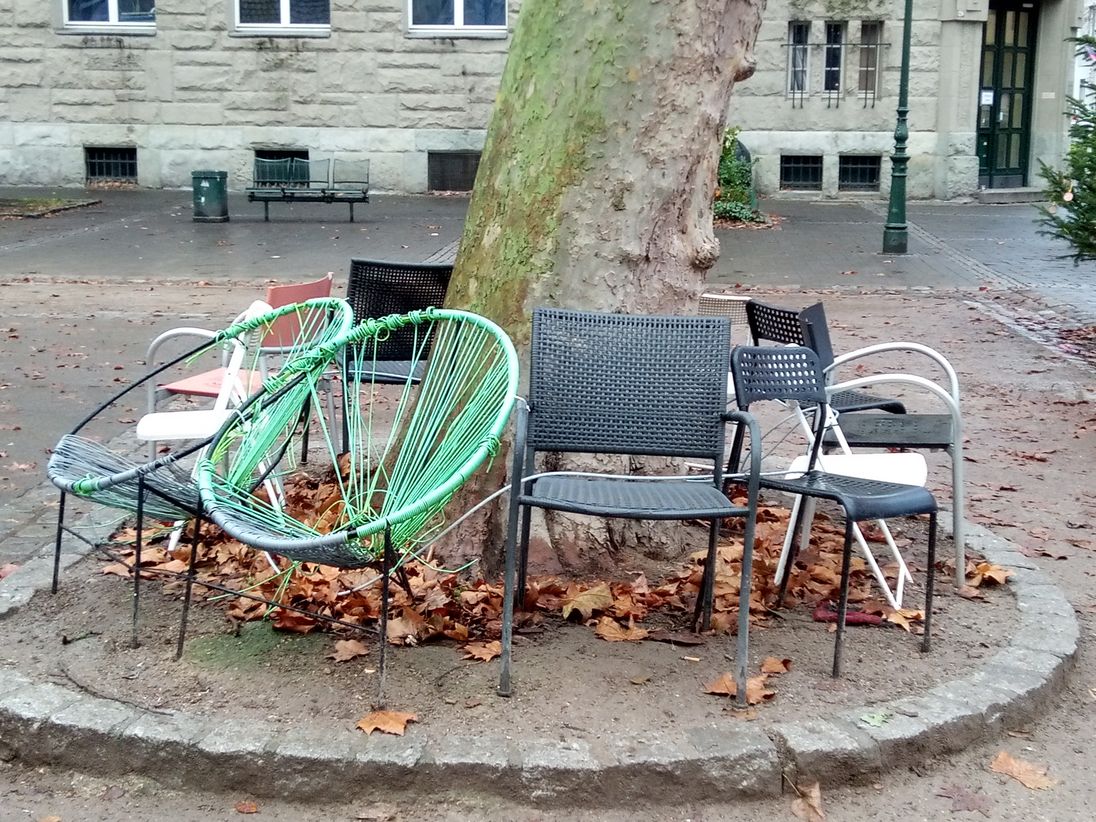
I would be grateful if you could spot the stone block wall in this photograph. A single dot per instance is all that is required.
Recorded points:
(196, 94)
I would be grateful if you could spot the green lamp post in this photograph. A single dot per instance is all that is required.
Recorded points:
(896, 232)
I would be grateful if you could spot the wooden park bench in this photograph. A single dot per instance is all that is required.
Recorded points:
(295, 180)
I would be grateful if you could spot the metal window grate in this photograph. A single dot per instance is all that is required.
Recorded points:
(871, 40)
(451, 170)
(799, 32)
(801, 172)
(114, 164)
(833, 63)
(858, 172)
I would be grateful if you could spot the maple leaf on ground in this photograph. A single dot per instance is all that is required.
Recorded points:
(348, 649)
(1028, 774)
(988, 572)
(772, 665)
(586, 602)
(389, 722)
(964, 799)
(905, 617)
(756, 691)
(808, 804)
(483, 651)
(612, 631)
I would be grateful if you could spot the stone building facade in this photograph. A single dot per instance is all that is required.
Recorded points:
(150, 93)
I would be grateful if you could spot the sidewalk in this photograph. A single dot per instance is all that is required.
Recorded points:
(105, 279)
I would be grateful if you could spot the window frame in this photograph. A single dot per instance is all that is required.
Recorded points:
(804, 48)
(834, 47)
(870, 51)
(457, 28)
(283, 28)
(113, 24)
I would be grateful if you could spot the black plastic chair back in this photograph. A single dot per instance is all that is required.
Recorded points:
(816, 333)
(791, 373)
(771, 323)
(628, 384)
(377, 288)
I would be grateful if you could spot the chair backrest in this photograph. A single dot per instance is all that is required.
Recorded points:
(628, 384)
(286, 330)
(411, 448)
(788, 373)
(788, 326)
(816, 333)
(377, 288)
(731, 306)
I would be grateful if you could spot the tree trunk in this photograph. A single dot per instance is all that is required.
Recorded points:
(596, 181)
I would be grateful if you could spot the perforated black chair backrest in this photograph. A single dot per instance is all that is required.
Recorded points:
(788, 326)
(628, 384)
(378, 288)
(789, 373)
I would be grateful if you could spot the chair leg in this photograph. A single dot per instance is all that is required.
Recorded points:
(189, 588)
(57, 544)
(745, 580)
(382, 664)
(137, 560)
(509, 572)
(702, 612)
(304, 430)
(404, 581)
(526, 515)
(797, 546)
(843, 602)
(930, 579)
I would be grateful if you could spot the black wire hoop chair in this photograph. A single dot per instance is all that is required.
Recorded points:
(794, 374)
(630, 385)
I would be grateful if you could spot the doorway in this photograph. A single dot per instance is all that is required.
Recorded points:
(1005, 93)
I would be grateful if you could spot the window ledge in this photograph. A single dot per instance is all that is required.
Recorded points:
(109, 29)
(455, 33)
(282, 31)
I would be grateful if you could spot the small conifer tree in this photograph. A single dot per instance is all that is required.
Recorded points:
(1071, 192)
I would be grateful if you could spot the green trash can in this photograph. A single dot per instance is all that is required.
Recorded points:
(210, 196)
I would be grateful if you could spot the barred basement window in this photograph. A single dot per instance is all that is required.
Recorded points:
(451, 170)
(110, 164)
(871, 40)
(801, 172)
(858, 172)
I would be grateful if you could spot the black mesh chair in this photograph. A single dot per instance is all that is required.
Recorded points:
(786, 326)
(378, 288)
(636, 385)
(794, 374)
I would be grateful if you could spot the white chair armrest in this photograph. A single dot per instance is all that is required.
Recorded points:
(910, 347)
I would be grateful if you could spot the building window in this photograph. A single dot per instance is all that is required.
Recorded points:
(451, 170)
(871, 40)
(110, 164)
(97, 13)
(482, 15)
(287, 14)
(858, 173)
(835, 58)
(800, 172)
(799, 32)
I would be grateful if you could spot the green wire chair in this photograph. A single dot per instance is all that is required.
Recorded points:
(410, 447)
(102, 467)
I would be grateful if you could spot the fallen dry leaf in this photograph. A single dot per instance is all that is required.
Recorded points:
(586, 602)
(612, 631)
(964, 799)
(905, 617)
(8, 569)
(348, 649)
(772, 665)
(389, 722)
(1028, 774)
(483, 651)
(246, 806)
(808, 805)
(756, 691)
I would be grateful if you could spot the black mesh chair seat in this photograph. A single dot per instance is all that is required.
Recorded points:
(861, 498)
(638, 499)
(932, 431)
(847, 402)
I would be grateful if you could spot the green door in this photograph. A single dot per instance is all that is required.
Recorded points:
(1004, 94)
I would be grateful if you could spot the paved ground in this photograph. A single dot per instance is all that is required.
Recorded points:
(105, 279)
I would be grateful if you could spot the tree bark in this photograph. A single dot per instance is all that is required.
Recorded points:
(595, 185)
